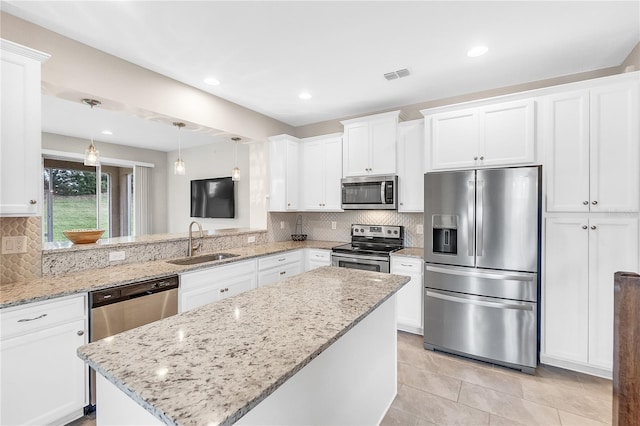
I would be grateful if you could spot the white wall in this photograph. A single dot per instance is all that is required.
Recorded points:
(209, 161)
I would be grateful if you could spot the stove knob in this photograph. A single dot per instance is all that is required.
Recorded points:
(361, 230)
(388, 231)
(395, 232)
(357, 230)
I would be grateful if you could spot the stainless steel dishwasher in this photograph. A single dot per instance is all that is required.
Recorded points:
(119, 309)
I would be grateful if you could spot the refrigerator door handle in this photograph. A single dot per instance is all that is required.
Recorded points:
(438, 295)
(479, 219)
(470, 218)
(524, 276)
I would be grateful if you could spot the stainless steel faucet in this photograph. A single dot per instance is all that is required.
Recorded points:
(191, 249)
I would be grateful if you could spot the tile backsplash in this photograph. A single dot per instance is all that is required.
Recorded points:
(23, 266)
(26, 266)
(317, 226)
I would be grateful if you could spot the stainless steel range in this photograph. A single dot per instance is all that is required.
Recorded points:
(369, 248)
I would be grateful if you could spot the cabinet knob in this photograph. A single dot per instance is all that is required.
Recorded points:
(594, 202)
(32, 202)
(584, 226)
(585, 203)
(593, 227)
(475, 158)
(81, 332)
(481, 158)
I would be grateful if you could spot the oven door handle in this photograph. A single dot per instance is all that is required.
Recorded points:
(376, 259)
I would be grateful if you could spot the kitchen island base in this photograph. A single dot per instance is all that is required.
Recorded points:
(352, 382)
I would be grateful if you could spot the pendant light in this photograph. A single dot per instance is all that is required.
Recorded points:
(178, 166)
(91, 154)
(235, 173)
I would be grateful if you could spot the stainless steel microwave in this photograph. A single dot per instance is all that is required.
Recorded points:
(370, 193)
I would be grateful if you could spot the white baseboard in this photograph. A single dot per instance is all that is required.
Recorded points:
(576, 366)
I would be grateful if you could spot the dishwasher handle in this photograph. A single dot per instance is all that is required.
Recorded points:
(131, 291)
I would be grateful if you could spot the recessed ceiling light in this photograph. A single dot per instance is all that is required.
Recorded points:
(305, 95)
(106, 132)
(211, 81)
(477, 51)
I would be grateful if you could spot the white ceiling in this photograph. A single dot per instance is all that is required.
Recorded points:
(265, 53)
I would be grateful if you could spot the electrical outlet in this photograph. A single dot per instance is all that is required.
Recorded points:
(333, 225)
(282, 224)
(117, 255)
(14, 245)
(251, 239)
(419, 230)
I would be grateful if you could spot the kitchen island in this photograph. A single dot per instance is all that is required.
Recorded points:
(316, 348)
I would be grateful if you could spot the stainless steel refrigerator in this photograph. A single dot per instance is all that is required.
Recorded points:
(481, 251)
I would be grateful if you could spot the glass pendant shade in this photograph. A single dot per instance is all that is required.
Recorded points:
(91, 156)
(235, 174)
(178, 167)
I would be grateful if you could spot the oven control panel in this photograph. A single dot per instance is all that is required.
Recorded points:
(377, 231)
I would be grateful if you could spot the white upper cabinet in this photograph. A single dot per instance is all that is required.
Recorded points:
(593, 154)
(369, 145)
(321, 172)
(20, 146)
(410, 166)
(507, 133)
(614, 148)
(284, 175)
(490, 135)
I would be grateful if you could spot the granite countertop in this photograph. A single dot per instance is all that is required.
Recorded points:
(410, 252)
(213, 364)
(21, 292)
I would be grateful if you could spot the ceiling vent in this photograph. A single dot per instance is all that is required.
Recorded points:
(397, 74)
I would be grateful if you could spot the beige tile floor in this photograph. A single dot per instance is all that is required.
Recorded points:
(441, 389)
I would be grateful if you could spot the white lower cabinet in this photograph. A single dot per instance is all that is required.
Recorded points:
(582, 254)
(316, 258)
(278, 267)
(43, 380)
(199, 288)
(410, 301)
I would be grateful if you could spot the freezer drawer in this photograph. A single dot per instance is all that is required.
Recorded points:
(483, 282)
(490, 329)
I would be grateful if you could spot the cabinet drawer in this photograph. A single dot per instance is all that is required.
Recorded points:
(36, 316)
(278, 274)
(403, 264)
(279, 259)
(320, 255)
(209, 276)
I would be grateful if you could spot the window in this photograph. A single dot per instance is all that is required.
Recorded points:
(70, 200)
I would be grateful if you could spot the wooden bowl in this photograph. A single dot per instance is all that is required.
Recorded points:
(83, 236)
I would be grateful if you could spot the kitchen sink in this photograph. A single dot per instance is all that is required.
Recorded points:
(194, 260)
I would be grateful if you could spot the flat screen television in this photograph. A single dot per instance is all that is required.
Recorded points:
(213, 198)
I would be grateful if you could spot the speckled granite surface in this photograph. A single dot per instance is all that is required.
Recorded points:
(18, 293)
(211, 365)
(410, 252)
